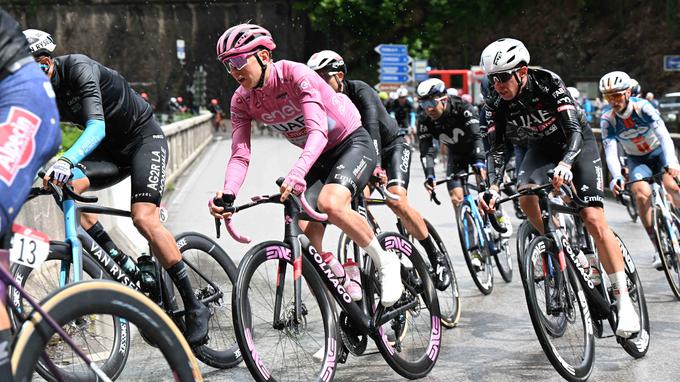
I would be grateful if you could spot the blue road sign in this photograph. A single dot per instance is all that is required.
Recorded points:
(394, 78)
(393, 49)
(389, 60)
(420, 77)
(394, 69)
(671, 62)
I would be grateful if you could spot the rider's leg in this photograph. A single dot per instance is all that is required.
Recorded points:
(314, 231)
(673, 190)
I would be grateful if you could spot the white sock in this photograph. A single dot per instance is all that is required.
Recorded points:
(618, 280)
(376, 252)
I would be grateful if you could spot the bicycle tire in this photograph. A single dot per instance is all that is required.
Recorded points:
(503, 257)
(636, 345)
(483, 279)
(450, 315)
(669, 259)
(102, 297)
(525, 233)
(246, 332)
(223, 352)
(121, 342)
(425, 358)
(581, 372)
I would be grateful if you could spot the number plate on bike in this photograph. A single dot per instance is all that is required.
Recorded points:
(29, 247)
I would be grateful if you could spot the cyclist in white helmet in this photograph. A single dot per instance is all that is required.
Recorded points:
(635, 125)
(537, 102)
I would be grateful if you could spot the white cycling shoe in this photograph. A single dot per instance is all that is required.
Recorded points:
(657, 262)
(628, 322)
(390, 279)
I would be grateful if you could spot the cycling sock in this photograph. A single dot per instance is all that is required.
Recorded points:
(5, 367)
(376, 252)
(430, 248)
(178, 273)
(103, 239)
(618, 280)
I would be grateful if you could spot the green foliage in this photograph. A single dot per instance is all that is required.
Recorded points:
(70, 134)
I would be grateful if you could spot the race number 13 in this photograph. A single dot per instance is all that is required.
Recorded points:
(29, 247)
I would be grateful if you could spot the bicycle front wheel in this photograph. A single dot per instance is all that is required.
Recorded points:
(213, 275)
(669, 259)
(277, 346)
(525, 233)
(89, 298)
(559, 311)
(449, 298)
(410, 342)
(104, 338)
(475, 252)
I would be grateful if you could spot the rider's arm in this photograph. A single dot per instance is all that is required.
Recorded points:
(427, 150)
(237, 168)
(496, 159)
(368, 102)
(611, 152)
(568, 120)
(84, 77)
(659, 128)
(471, 119)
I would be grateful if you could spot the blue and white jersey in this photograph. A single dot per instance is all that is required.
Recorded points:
(636, 134)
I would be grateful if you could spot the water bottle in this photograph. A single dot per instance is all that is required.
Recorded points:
(594, 268)
(333, 264)
(353, 280)
(583, 260)
(148, 276)
(126, 263)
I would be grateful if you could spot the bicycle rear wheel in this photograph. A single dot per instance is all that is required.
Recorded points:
(559, 312)
(417, 331)
(89, 298)
(283, 350)
(473, 248)
(669, 259)
(213, 275)
(104, 338)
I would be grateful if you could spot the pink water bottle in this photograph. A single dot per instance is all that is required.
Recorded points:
(353, 280)
(334, 264)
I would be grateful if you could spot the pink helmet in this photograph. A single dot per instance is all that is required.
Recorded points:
(243, 38)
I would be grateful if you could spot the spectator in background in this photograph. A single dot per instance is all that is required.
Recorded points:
(650, 98)
(173, 106)
(588, 108)
(635, 89)
(180, 103)
(218, 115)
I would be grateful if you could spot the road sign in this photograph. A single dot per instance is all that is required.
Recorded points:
(394, 69)
(393, 49)
(387, 87)
(671, 62)
(420, 77)
(389, 60)
(394, 78)
(420, 66)
(181, 55)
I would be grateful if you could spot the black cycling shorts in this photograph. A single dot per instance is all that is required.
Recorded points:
(144, 162)
(587, 170)
(350, 163)
(396, 160)
(454, 165)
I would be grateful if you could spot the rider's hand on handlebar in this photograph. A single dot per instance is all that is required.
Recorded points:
(380, 174)
(616, 185)
(216, 211)
(562, 174)
(487, 200)
(294, 183)
(429, 184)
(673, 169)
(59, 173)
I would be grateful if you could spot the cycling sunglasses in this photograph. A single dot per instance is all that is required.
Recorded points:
(501, 77)
(429, 103)
(237, 62)
(614, 96)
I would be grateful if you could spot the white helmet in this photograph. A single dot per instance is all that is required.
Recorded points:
(614, 82)
(504, 55)
(402, 92)
(635, 86)
(328, 59)
(575, 94)
(452, 91)
(430, 88)
(39, 42)
(393, 95)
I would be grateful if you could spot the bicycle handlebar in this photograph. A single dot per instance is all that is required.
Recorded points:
(227, 201)
(67, 189)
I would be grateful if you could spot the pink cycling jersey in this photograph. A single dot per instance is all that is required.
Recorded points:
(296, 102)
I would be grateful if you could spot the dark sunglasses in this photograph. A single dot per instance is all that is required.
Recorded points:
(501, 77)
(428, 103)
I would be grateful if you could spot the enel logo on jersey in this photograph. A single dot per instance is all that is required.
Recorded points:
(17, 142)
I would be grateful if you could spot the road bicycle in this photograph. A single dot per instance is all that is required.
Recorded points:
(56, 318)
(477, 239)
(666, 226)
(210, 269)
(567, 307)
(282, 311)
(449, 298)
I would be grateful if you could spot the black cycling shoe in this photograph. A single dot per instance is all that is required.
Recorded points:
(442, 273)
(196, 321)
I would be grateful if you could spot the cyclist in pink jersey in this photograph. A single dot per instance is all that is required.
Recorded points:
(337, 157)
